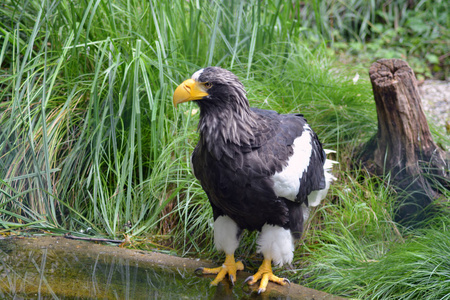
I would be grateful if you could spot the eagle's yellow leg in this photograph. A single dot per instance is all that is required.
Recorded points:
(265, 274)
(230, 267)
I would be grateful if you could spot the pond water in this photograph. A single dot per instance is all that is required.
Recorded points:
(33, 270)
(49, 273)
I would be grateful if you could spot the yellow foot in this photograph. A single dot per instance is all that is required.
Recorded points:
(230, 267)
(265, 274)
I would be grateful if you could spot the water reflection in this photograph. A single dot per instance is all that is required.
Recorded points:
(49, 273)
(46, 274)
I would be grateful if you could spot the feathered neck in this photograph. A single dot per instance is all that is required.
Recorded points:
(226, 124)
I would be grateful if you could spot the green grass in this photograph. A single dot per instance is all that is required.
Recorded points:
(356, 250)
(90, 141)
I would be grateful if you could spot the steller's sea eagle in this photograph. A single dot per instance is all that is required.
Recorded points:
(260, 170)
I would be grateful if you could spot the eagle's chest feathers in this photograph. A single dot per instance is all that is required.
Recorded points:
(257, 146)
(228, 133)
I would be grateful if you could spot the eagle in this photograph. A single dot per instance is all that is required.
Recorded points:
(260, 170)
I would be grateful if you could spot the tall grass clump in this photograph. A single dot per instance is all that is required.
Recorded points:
(421, 263)
(86, 115)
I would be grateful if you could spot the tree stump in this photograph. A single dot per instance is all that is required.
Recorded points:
(403, 144)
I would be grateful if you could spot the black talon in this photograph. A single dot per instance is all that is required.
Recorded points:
(261, 291)
(287, 281)
(232, 279)
(197, 271)
(248, 279)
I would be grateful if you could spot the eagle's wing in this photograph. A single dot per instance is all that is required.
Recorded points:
(295, 155)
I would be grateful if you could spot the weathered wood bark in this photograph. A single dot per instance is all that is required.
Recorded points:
(403, 145)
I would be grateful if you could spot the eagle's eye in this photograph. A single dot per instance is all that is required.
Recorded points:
(208, 85)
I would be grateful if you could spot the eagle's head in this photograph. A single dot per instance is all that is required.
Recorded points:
(213, 88)
(225, 114)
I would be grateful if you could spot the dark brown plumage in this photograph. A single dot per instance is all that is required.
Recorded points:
(261, 170)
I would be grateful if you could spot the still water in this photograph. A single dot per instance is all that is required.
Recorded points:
(35, 270)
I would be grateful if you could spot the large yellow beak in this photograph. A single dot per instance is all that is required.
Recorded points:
(187, 91)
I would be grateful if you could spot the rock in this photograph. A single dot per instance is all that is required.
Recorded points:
(435, 96)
